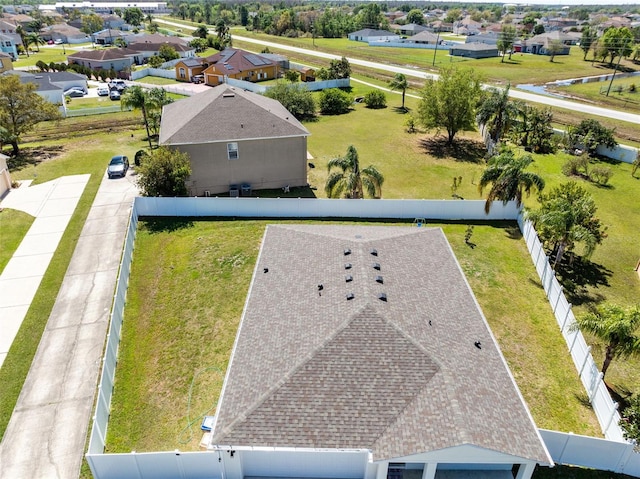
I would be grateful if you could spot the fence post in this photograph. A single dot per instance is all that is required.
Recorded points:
(566, 318)
(595, 387)
(584, 363)
(575, 338)
(613, 414)
(557, 299)
(544, 270)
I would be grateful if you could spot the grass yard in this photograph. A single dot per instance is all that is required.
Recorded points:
(88, 155)
(13, 226)
(186, 293)
(159, 81)
(623, 94)
(47, 54)
(522, 68)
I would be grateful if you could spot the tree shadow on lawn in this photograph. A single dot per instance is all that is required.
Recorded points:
(165, 225)
(400, 110)
(462, 149)
(580, 275)
(34, 156)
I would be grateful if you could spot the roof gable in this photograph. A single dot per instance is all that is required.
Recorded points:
(225, 113)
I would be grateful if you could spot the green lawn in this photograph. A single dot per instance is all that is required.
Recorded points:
(522, 68)
(89, 154)
(175, 329)
(13, 226)
(623, 93)
(159, 81)
(47, 54)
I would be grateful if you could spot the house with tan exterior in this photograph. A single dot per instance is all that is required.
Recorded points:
(5, 177)
(239, 65)
(6, 62)
(237, 141)
(363, 353)
(229, 63)
(118, 59)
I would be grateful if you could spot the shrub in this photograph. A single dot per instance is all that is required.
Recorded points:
(295, 98)
(410, 123)
(375, 99)
(576, 165)
(632, 88)
(334, 101)
(601, 174)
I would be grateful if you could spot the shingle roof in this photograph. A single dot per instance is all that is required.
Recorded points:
(313, 369)
(370, 32)
(474, 46)
(104, 54)
(237, 61)
(226, 113)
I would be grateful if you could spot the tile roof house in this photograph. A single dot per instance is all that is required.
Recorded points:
(240, 65)
(370, 338)
(64, 32)
(149, 45)
(235, 137)
(118, 59)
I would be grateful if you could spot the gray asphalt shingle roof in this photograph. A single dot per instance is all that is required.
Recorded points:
(225, 113)
(314, 369)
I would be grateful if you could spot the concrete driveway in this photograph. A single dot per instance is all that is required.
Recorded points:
(48, 429)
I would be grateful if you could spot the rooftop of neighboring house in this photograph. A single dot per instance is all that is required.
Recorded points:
(234, 61)
(103, 54)
(226, 113)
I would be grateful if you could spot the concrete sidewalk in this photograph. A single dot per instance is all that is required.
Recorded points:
(48, 429)
(52, 204)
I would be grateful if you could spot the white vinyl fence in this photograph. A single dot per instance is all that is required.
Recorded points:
(605, 408)
(612, 453)
(105, 387)
(311, 86)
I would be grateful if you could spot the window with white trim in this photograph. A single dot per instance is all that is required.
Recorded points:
(183, 73)
(232, 151)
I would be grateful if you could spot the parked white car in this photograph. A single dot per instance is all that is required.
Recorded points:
(103, 90)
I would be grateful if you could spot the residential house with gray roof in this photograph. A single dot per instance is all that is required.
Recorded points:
(369, 338)
(234, 138)
(118, 59)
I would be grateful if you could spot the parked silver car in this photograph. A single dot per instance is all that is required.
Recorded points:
(118, 166)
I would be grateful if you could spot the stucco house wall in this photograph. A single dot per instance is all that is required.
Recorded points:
(262, 164)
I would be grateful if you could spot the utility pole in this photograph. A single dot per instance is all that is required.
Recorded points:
(436, 49)
(617, 65)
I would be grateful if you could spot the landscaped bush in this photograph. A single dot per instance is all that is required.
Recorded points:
(334, 101)
(576, 166)
(601, 174)
(375, 99)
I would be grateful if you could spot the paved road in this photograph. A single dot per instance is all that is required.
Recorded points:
(530, 97)
(46, 435)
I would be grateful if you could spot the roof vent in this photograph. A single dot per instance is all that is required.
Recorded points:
(320, 287)
(376, 266)
(265, 270)
(478, 345)
(350, 296)
(379, 280)
(347, 251)
(228, 95)
(382, 297)
(347, 266)
(374, 252)
(348, 278)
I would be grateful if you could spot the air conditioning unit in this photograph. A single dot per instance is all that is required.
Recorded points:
(207, 193)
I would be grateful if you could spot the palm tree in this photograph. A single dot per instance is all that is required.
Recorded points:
(497, 113)
(508, 179)
(135, 97)
(23, 38)
(566, 217)
(351, 180)
(617, 327)
(400, 82)
(35, 39)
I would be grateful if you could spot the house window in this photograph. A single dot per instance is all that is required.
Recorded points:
(182, 73)
(232, 151)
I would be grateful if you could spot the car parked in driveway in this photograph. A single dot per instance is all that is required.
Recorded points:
(114, 95)
(75, 92)
(118, 166)
(117, 84)
(103, 90)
